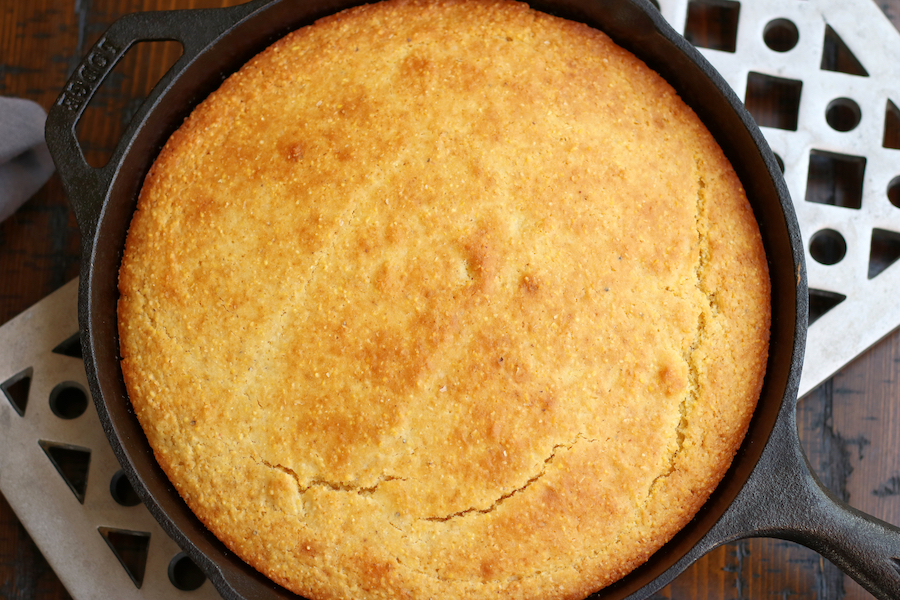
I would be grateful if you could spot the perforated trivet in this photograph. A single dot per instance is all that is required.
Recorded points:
(60, 476)
(824, 66)
(839, 67)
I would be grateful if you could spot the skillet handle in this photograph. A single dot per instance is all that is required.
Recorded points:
(784, 499)
(86, 186)
(862, 546)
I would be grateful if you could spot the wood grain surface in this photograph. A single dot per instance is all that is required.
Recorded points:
(850, 426)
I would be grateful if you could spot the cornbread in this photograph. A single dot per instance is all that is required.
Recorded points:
(444, 299)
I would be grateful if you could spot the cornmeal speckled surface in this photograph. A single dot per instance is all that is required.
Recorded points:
(444, 300)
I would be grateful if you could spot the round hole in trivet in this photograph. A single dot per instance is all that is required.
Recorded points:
(68, 400)
(781, 35)
(893, 191)
(828, 247)
(184, 573)
(122, 491)
(843, 114)
(780, 162)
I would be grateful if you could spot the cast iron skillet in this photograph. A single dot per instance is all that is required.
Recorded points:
(770, 489)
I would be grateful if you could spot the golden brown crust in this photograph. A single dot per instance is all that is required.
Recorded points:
(444, 299)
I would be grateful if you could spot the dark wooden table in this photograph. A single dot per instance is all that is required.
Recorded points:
(850, 426)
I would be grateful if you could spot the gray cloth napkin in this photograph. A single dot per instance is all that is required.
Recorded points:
(25, 163)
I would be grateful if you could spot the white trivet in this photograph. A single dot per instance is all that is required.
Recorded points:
(870, 309)
(69, 533)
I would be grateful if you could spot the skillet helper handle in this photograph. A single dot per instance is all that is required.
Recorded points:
(86, 186)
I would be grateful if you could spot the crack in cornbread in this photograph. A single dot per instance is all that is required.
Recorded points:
(509, 494)
(444, 299)
(336, 486)
(694, 392)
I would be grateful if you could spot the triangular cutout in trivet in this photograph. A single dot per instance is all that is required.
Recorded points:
(836, 56)
(884, 252)
(131, 548)
(891, 126)
(16, 390)
(70, 347)
(820, 302)
(72, 463)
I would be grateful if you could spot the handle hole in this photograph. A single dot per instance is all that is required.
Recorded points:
(120, 95)
(895, 562)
